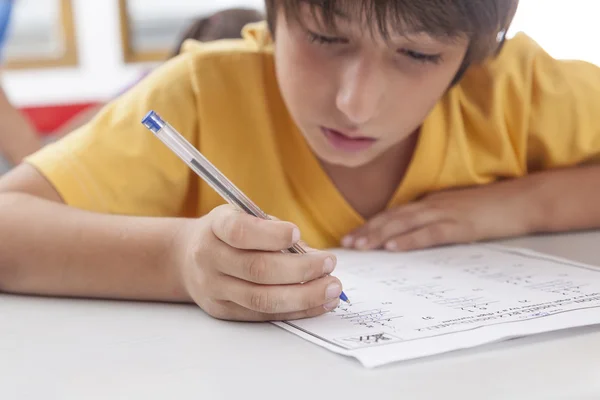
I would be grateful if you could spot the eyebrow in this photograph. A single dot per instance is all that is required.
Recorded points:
(341, 14)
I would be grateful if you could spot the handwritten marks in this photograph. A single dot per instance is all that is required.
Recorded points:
(415, 297)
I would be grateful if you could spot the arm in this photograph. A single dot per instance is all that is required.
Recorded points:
(116, 235)
(551, 201)
(18, 138)
(77, 121)
(48, 248)
(207, 261)
(91, 214)
(563, 200)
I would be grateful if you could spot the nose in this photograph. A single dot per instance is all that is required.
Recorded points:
(361, 90)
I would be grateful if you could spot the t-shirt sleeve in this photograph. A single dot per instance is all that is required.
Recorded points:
(559, 103)
(116, 165)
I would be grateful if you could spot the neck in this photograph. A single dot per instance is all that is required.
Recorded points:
(380, 178)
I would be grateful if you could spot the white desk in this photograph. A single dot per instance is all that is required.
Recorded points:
(70, 349)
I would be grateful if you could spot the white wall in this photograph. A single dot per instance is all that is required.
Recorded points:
(101, 71)
(568, 29)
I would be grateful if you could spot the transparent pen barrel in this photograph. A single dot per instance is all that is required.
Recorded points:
(197, 162)
(213, 177)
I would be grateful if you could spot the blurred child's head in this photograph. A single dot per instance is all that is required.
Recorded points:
(374, 69)
(226, 24)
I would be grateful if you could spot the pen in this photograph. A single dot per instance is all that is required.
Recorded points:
(208, 172)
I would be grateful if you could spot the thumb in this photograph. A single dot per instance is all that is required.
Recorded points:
(301, 242)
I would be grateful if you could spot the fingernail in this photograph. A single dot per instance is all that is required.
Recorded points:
(333, 291)
(328, 266)
(295, 235)
(332, 305)
(361, 243)
(347, 241)
(391, 246)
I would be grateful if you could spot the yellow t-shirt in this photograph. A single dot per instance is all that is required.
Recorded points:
(519, 112)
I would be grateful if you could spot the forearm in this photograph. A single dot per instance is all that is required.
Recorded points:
(564, 200)
(18, 137)
(48, 248)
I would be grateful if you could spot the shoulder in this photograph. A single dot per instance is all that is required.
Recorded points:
(255, 44)
(199, 61)
(512, 68)
(523, 69)
(221, 68)
(528, 104)
(524, 85)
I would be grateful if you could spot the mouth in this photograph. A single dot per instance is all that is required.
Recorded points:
(342, 141)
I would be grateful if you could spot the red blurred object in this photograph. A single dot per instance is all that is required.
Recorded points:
(48, 119)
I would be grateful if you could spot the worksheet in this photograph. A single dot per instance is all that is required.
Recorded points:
(417, 304)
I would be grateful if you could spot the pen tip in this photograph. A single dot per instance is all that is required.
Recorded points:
(348, 301)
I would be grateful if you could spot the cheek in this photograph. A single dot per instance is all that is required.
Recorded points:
(302, 77)
(412, 96)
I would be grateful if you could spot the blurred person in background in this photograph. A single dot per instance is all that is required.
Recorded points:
(18, 137)
(225, 24)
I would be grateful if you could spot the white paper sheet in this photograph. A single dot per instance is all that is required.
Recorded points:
(412, 305)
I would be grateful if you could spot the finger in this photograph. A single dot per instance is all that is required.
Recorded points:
(228, 310)
(397, 222)
(244, 231)
(282, 299)
(399, 225)
(436, 234)
(357, 237)
(270, 268)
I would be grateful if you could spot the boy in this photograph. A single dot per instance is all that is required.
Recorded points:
(400, 124)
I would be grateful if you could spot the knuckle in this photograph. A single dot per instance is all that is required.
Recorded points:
(200, 250)
(234, 228)
(436, 202)
(390, 229)
(204, 254)
(439, 233)
(257, 268)
(408, 242)
(313, 269)
(263, 301)
(279, 233)
(220, 212)
(204, 284)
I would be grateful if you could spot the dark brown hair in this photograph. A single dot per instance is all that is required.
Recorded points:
(226, 24)
(484, 22)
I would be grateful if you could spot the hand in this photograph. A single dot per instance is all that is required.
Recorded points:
(451, 217)
(232, 267)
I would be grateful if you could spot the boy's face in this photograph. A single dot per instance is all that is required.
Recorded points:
(355, 95)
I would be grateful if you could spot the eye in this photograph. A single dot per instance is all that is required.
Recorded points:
(421, 57)
(321, 39)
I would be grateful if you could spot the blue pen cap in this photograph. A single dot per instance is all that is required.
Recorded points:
(153, 122)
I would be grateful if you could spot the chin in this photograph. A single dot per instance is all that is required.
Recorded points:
(347, 161)
(342, 159)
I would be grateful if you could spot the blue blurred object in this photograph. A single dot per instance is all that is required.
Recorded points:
(6, 8)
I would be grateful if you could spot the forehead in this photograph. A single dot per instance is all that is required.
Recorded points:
(382, 19)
